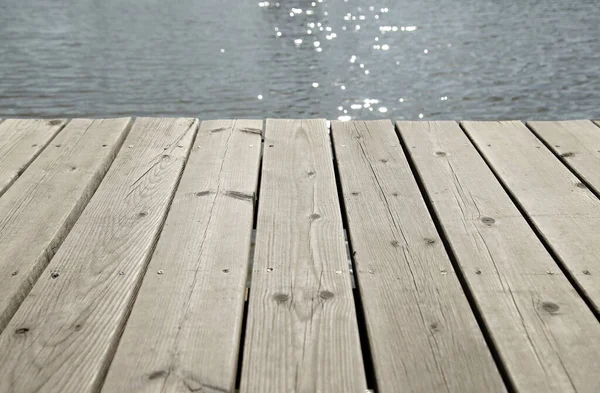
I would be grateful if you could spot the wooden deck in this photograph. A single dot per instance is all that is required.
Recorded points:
(179, 255)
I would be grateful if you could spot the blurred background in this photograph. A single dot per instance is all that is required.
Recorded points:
(338, 59)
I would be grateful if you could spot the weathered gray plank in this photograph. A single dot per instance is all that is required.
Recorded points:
(21, 141)
(547, 338)
(192, 314)
(567, 216)
(40, 208)
(577, 143)
(64, 334)
(423, 334)
(302, 333)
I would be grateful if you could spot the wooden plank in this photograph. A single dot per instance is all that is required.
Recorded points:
(64, 334)
(302, 333)
(192, 314)
(567, 216)
(577, 143)
(40, 208)
(423, 334)
(546, 336)
(21, 141)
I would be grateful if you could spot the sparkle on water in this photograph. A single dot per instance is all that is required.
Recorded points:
(418, 59)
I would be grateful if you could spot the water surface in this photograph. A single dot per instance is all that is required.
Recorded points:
(367, 59)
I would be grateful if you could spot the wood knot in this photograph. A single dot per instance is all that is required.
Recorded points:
(310, 173)
(57, 145)
(383, 160)
(54, 274)
(355, 193)
(34, 145)
(14, 273)
(54, 122)
(434, 326)
(440, 153)
(78, 327)
(202, 193)
(271, 145)
(250, 130)
(104, 145)
(429, 240)
(73, 168)
(395, 194)
(550, 307)
(586, 272)
(218, 129)
(21, 331)
(395, 243)
(142, 214)
(326, 295)
(581, 185)
(157, 374)
(280, 298)
(240, 195)
(314, 216)
(488, 221)
(568, 154)
(225, 270)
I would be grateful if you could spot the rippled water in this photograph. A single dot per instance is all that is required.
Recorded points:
(430, 59)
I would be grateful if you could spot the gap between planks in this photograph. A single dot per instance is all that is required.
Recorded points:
(191, 312)
(74, 316)
(54, 189)
(577, 144)
(21, 142)
(414, 304)
(565, 217)
(291, 343)
(504, 266)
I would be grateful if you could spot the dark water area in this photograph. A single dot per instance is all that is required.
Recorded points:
(354, 59)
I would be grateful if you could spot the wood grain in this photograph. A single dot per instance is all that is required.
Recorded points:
(64, 334)
(184, 331)
(302, 333)
(567, 216)
(546, 336)
(422, 331)
(40, 208)
(577, 143)
(21, 141)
